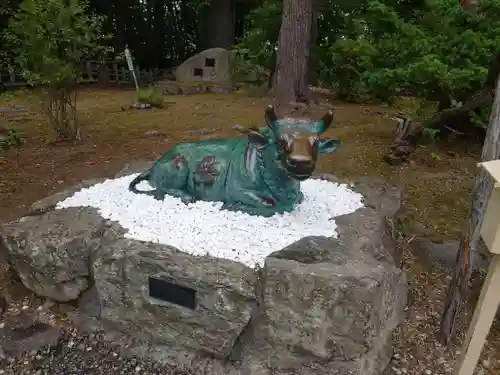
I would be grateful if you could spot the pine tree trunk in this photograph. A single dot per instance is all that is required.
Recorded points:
(312, 79)
(292, 63)
(216, 27)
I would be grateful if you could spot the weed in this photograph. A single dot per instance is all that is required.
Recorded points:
(11, 139)
(151, 97)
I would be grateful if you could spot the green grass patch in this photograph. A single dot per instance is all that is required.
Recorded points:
(151, 97)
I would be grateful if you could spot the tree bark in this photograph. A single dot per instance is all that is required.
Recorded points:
(291, 74)
(467, 254)
(312, 78)
(450, 115)
(405, 142)
(217, 25)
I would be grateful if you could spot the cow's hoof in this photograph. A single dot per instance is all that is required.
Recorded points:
(159, 197)
(186, 199)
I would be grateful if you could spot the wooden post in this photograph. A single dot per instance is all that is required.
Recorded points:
(115, 70)
(489, 300)
(88, 69)
(467, 251)
(102, 73)
(12, 75)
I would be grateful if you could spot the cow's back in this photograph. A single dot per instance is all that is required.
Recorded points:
(205, 164)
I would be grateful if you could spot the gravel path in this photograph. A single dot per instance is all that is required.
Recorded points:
(81, 355)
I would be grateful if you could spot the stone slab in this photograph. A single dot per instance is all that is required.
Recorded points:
(225, 296)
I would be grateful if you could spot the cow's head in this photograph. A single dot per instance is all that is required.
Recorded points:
(298, 141)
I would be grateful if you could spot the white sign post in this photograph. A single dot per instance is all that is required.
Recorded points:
(131, 67)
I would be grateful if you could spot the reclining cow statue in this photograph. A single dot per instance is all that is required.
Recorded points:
(259, 174)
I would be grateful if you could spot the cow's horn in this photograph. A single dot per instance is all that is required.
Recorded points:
(244, 130)
(326, 121)
(271, 114)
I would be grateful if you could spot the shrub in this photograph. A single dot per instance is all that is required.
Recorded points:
(151, 97)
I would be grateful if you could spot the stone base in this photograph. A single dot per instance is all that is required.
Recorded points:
(190, 88)
(320, 306)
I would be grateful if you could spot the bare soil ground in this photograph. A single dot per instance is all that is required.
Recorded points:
(437, 189)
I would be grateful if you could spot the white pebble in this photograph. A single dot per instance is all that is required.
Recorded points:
(202, 228)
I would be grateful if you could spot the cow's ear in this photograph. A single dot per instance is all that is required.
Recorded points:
(327, 146)
(257, 139)
(271, 119)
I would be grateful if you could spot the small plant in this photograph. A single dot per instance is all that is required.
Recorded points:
(431, 133)
(7, 96)
(435, 156)
(49, 39)
(151, 97)
(11, 139)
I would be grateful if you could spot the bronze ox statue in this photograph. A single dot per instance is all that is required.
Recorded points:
(259, 174)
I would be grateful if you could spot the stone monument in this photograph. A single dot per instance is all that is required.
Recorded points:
(211, 65)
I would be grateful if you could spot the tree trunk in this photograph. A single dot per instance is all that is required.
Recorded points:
(408, 133)
(291, 74)
(217, 25)
(312, 78)
(467, 254)
(450, 115)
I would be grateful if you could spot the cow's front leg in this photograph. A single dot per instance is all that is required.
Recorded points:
(183, 195)
(253, 204)
(300, 198)
(259, 211)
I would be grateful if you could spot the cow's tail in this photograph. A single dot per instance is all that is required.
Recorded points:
(136, 181)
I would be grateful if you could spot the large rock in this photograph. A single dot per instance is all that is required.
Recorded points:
(211, 65)
(330, 305)
(221, 293)
(50, 253)
(319, 306)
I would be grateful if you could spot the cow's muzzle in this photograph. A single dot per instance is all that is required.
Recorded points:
(299, 168)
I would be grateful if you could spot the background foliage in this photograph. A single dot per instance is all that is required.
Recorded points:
(366, 50)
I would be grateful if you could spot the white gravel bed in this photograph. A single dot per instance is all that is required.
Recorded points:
(202, 228)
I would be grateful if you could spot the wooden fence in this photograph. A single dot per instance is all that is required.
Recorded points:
(112, 72)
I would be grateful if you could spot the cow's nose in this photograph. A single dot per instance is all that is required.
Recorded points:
(301, 164)
(300, 160)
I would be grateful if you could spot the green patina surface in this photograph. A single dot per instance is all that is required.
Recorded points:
(258, 174)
